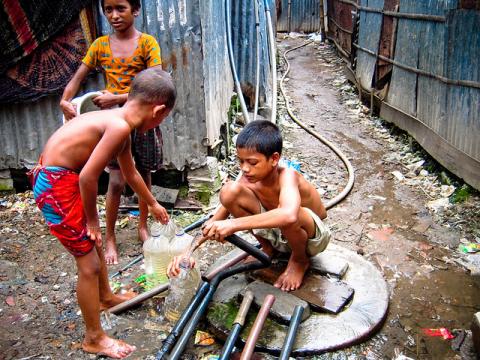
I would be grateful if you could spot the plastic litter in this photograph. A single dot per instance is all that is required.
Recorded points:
(440, 332)
(469, 248)
(203, 338)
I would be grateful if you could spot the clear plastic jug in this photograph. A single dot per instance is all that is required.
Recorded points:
(180, 243)
(156, 256)
(182, 289)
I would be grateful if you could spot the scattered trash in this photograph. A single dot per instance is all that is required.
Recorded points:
(210, 357)
(469, 248)
(292, 164)
(440, 332)
(134, 212)
(439, 205)
(398, 175)
(10, 301)
(203, 338)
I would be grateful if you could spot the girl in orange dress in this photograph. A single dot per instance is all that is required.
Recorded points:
(121, 56)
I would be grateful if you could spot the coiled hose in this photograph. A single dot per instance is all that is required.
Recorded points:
(348, 165)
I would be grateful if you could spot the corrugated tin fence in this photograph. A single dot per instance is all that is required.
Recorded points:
(428, 52)
(192, 37)
(245, 50)
(298, 15)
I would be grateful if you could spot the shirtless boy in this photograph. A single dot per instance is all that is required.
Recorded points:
(65, 188)
(283, 210)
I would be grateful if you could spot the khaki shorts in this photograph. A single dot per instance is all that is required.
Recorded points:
(315, 245)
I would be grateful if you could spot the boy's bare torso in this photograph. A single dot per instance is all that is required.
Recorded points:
(72, 145)
(268, 191)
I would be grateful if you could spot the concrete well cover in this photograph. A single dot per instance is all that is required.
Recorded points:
(320, 332)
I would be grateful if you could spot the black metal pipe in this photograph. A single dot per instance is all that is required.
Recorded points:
(192, 324)
(139, 258)
(292, 332)
(264, 261)
(178, 328)
(237, 326)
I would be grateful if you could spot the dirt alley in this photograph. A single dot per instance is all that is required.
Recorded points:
(383, 218)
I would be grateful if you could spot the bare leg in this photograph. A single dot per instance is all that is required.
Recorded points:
(297, 236)
(142, 205)
(88, 295)
(107, 298)
(116, 184)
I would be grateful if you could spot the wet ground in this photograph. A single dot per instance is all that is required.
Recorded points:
(393, 219)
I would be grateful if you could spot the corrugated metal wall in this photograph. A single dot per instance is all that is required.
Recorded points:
(340, 24)
(25, 128)
(192, 37)
(304, 16)
(245, 50)
(434, 89)
(368, 37)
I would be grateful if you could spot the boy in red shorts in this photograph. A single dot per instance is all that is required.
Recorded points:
(65, 188)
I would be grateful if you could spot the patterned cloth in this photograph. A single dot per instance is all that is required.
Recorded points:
(57, 194)
(119, 72)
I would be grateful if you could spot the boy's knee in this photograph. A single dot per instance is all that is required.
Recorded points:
(116, 185)
(230, 192)
(92, 270)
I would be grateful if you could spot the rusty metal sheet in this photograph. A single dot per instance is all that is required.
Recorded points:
(340, 23)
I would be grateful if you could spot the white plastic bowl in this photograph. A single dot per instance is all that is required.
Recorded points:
(84, 103)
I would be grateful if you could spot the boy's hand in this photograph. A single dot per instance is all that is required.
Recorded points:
(68, 109)
(173, 268)
(94, 234)
(107, 100)
(218, 230)
(159, 213)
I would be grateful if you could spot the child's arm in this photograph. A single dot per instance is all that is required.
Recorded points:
(285, 214)
(135, 180)
(108, 100)
(71, 90)
(111, 143)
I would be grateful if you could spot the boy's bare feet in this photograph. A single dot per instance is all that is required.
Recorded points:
(292, 277)
(116, 299)
(111, 254)
(104, 345)
(143, 233)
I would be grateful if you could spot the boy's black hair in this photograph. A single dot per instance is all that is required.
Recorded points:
(154, 86)
(135, 4)
(262, 136)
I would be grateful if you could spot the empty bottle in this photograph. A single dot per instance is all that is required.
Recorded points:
(182, 289)
(156, 255)
(180, 243)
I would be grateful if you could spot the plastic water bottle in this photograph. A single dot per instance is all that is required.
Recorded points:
(180, 243)
(156, 256)
(182, 289)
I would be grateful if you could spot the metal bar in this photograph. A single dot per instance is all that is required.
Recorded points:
(186, 315)
(466, 83)
(117, 309)
(264, 261)
(411, 16)
(322, 21)
(257, 327)
(237, 326)
(210, 275)
(202, 308)
(292, 332)
(230, 342)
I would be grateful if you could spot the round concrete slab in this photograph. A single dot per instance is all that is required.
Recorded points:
(320, 332)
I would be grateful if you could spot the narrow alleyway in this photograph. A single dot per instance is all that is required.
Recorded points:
(383, 218)
(392, 217)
